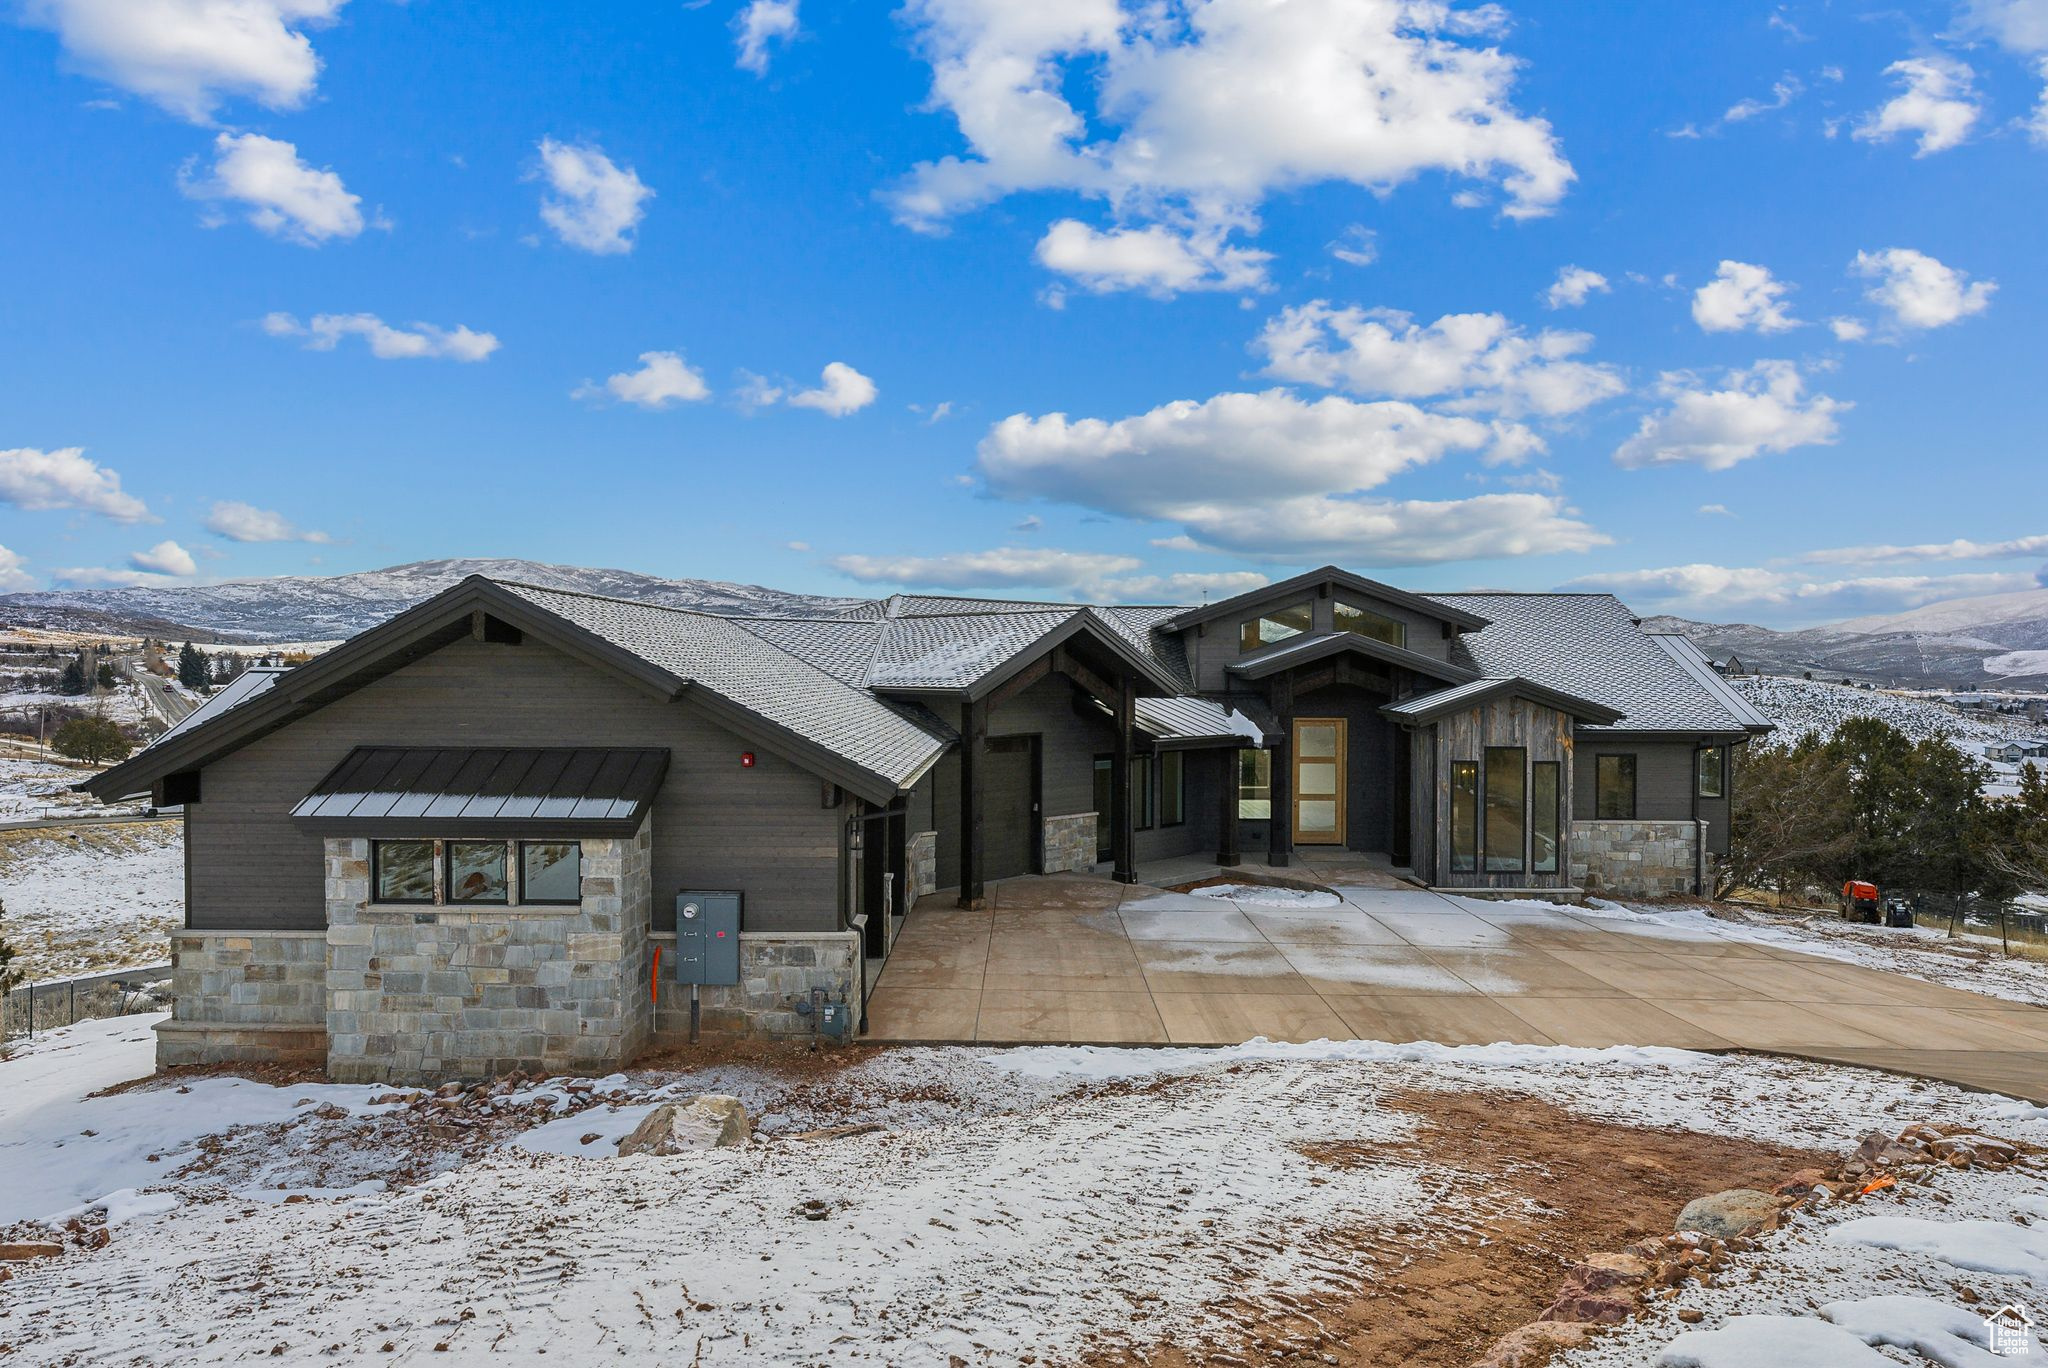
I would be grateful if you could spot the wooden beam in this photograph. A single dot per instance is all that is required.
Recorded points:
(973, 738)
(1280, 829)
(1019, 682)
(1122, 839)
(1104, 692)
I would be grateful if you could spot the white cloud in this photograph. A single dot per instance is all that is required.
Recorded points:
(797, 546)
(1717, 510)
(1203, 109)
(165, 558)
(1742, 296)
(663, 379)
(1848, 329)
(101, 577)
(386, 342)
(1574, 284)
(1357, 245)
(37, 481)
(1784, 91)
(1937, 102)
(1160, 261)
(1960, 549)
(1006, 567)
(13, 576)
(596, 203)
(758, 24)
(1275, 477)
(1703, 589)
(2018, 25)
(1481, 361)
(843, 390)
(1763, 408)
(1918, 291)
(1183, 587)
(281, 195)
(241, 522)
(189, 55)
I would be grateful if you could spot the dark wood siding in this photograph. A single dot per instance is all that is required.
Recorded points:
(1545, 734)
(762, 830)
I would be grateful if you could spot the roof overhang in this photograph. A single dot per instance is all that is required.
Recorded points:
(1336, 578)
(1290, 655)
(365, 658)
(1431, 707)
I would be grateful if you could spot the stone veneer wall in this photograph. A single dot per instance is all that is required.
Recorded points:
(423, 994)
(921, 860)
(255, 996)
(1639, 859)
(1069, 842)
(778, 970)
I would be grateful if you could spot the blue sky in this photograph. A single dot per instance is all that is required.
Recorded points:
(1728, 308)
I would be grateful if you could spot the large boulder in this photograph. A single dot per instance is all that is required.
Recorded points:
(702, 1123)
(1725, 1215)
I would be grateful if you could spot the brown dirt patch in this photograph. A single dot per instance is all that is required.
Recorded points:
(1535, 1189)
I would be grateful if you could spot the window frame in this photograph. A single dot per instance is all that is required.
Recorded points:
(1177, 791)
(1400, 628)
(1552, 811)
(448, 898)
(1720, 772)
(1250, 638)
(1519, 767)
(1600, 812)
(526, 899)
(1261, 758)
(433, 897)
(1465, 790)
(1143, 792)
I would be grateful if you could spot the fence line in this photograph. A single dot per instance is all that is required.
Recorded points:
(46, 1005)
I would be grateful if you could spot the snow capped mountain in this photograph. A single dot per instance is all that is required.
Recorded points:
(2002, 617)
(317, 608)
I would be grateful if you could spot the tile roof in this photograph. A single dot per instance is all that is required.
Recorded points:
(955, 651)
(721, 655)
(1425, 707)
(1589, 645)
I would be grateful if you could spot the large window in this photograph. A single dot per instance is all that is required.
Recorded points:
(550, 871)
(1545, 813)
(1276, 626)
(1710, 771)
(1141, 792)
(1366, 623)
(1254, 785)
(402, 871)
(1507, 808)
(1173, 799)
(1464, 815)
(477, 873)
(1614, 787)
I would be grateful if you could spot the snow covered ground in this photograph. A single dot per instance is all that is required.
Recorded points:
(79, 899)
(1018, 1205)
(1972, 964)
(124, 703)
(1801, 707)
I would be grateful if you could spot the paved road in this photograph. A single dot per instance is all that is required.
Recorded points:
(166, 702)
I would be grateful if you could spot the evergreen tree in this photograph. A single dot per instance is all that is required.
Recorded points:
(191, 666)
(106, 678)
(73, 680)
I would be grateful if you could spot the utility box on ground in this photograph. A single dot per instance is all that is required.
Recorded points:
(707, 937)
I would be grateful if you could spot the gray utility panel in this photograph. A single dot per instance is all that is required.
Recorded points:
(707, 936)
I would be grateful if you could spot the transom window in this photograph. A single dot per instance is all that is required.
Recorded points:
(476, 873)
(1366, 623)
(1277, 626)
(1614, 787)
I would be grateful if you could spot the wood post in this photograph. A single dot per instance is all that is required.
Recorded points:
(1280, 830)
(973, 740)
(1121, 836)
(1226, 845)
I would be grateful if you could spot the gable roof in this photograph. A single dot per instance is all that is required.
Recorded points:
(1303, 649)
(1431, 706)
(1590, 646)
(1430, 604)
(835, 729)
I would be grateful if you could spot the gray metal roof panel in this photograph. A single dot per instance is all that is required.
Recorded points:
(1423, 707)
(1190, 718)
(388, 786)
(1695, 662)
(1590, 646)
(250, 683)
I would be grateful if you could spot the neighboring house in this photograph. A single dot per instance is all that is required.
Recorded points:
(1732, 666)
(2008, 751)
(454, 844)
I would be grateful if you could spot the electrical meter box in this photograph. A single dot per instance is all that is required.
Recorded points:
(707, 936)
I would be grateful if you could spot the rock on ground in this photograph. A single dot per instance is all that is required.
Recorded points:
(708, 1122)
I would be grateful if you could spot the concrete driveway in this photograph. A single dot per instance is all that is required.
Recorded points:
(1076, 959)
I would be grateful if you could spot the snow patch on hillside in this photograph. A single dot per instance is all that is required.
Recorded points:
(81, 899)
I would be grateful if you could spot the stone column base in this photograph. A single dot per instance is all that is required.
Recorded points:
(212, 1042)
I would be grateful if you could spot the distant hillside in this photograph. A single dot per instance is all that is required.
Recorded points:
(1996, 641)
(317, 608)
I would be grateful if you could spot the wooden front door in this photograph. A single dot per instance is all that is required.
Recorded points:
(1319, 775)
